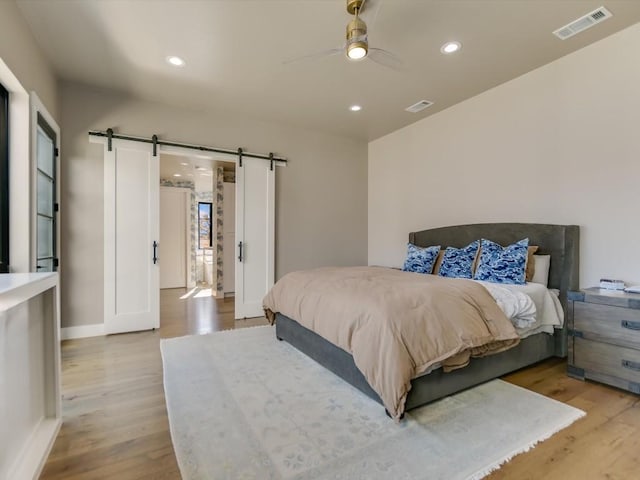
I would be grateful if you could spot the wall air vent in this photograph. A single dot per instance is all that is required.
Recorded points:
(582, 23)
(421, 105)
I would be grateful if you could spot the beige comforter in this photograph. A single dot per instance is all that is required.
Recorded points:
(395, 324)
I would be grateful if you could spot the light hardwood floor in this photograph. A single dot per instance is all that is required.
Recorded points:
(115, 418)
(114, 415)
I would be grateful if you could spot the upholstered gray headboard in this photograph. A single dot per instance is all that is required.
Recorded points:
(562, 242)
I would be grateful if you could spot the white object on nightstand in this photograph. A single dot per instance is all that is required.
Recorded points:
(609, 284)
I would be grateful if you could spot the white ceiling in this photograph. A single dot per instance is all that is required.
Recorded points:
(235, 51)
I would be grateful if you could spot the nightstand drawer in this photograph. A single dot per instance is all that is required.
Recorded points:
(607, 359)
(604, 322)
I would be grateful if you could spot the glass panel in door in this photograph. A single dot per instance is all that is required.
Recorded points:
(46, 199)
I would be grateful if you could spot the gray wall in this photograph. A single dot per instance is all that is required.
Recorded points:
(21, 53)
(23, 70)
(321, 196)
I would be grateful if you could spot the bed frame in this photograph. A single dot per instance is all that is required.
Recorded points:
(562, 242)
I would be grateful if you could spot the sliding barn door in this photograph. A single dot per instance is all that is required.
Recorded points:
(131, 232)
(255, 226)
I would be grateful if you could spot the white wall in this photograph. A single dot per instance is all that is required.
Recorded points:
(175, 237)
(321, 196)
(560, 144)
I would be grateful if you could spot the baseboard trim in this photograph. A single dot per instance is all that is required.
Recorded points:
(82, 331)
(32, 459)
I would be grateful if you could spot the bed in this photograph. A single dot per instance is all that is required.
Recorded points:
(561, 242)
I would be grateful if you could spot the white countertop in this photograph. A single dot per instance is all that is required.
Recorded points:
(16, 288)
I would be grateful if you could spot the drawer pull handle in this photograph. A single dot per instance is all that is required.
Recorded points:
(630, 325)
(635, 366)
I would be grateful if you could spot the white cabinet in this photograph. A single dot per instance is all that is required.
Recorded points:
(29, 372)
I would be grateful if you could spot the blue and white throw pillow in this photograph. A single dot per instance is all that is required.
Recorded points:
(420, 260)
(502, 264)
(458, 262)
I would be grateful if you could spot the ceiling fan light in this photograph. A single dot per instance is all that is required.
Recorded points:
(357, 46)
(357, 50)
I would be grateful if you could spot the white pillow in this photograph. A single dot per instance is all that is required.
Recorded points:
(541, 273)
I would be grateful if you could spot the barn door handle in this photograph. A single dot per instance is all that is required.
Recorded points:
(240, 252)
(155, 252)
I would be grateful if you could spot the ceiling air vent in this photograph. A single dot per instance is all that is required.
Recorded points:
(421, 105)
(582, 23)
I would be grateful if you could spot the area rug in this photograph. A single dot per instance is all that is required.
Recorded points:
(243, 405)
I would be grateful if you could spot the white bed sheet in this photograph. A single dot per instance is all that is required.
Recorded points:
(532, 307)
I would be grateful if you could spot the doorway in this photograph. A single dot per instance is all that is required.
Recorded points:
(197, 223)
(45, 247)
(132, 191)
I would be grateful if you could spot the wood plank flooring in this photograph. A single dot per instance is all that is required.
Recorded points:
(115, 419)
(114, 415)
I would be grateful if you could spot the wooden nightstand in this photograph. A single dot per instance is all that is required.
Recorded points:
(604, 337)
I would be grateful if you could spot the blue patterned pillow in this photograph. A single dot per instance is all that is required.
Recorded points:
(420, 260)
(502, 264)
(458, 262)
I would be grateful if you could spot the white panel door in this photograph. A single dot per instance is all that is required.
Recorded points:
(229, 238)
(255, 224)
(173, 237)
(131, 198)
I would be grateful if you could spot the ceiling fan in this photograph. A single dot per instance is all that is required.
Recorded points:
(356, 46)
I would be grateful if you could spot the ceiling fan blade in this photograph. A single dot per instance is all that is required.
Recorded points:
(385, 58)
(313, 56)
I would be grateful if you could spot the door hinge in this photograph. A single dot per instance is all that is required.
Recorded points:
(56, 152)
(56, 207)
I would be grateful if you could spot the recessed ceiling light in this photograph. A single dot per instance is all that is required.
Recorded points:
(184, 163)
(175, 61)
(450, 47)
(355, 108)
(177, 175)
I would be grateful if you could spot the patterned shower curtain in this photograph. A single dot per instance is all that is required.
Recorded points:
(218, 222)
